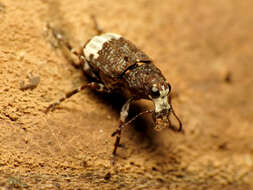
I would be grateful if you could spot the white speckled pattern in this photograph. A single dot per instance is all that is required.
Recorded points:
(161, 103)
(96, 44)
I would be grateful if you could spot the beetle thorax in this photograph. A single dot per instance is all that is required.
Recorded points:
(146, 81)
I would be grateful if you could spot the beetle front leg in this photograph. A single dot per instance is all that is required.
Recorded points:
(123, 115)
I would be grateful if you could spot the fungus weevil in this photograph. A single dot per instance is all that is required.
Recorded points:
(115, 64)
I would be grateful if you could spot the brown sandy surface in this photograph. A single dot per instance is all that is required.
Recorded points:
(204, 48)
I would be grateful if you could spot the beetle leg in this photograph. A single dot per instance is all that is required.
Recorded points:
(98, 28)
(88, 70)
(93, 85)
(68, 51)
(123, 115)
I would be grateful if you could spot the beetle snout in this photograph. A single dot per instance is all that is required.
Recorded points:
(162, 114)
(161, 119)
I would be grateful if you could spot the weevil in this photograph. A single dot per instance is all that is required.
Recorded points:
(115, 64)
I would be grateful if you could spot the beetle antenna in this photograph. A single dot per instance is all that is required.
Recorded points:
(178, 120)
(131, 120)
(135, 117)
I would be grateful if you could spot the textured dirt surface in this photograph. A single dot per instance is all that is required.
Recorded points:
(203, 48)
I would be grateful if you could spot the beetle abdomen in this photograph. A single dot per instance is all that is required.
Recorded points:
(112, 55)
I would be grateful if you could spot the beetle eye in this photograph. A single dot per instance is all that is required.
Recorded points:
(169, 87)
(155, 92)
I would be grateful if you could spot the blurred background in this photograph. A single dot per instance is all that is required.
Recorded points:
(203, 48)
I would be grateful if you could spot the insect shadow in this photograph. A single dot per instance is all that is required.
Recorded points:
(140, 132)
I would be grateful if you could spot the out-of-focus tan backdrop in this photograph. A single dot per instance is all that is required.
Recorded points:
(204, 48)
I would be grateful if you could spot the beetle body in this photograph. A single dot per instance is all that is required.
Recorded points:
(109, 56)
(116, 64)
(119, 65)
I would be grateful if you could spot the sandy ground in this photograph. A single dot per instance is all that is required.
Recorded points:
(204, 48)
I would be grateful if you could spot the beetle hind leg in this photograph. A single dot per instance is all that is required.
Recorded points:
(61, 42)
(97, 27)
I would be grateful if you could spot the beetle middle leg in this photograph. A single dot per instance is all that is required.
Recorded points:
(93, 85)
(88, 70)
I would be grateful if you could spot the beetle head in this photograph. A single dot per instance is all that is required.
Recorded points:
(160, 95)
(146, 81)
